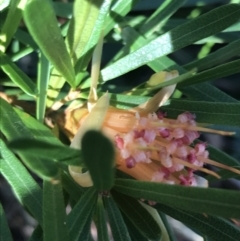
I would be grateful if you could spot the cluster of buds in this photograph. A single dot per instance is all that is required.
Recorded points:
(167, 143)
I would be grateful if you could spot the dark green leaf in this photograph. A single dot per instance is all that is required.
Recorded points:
(24, 186)
(43, 149)
(202, 200)
(217, 57)
(214, 21)
(54, 215)
(37, 234)
(98, 155)
(207, 112)
(213, 227)
(47, 35)
(159, 17)
(17, 75)
(117, 224)
(133, 231)
(5, 234)
(214, 73)
(207, 92)
(138, 215)
(101, 223)
(80, 215)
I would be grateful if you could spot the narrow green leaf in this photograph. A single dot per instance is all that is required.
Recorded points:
(207, 92)
(217, 57)
(159, 17)
(5, 234)
(95, 34)
(13, 127)
(42, 85)
(47, 35)
(117, 224)
(101, 223)
(133, 231)
(85, 14)
(212, 201)
(138, 215)
(214, 73)
(207, 112)
(98, 155)
(213, 227)
(120, 8)
(203, 91)
(22, 183)
(17, 75)
(79, 217)
(42, 149)
(37, 234)
(54, 215)
(214, 21)
(11, 23)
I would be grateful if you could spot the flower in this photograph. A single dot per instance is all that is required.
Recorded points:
(149, 146)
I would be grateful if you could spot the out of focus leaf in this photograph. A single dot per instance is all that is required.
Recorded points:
(37, 234)
(38, 148)
(98, 155)
(54, 214)
(5, 234)
(10, 24)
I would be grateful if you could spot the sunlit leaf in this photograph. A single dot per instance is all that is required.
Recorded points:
(214, 21)
(10, 24)
(24, 186)
(17, 75)
(47, 35)
(13, 127)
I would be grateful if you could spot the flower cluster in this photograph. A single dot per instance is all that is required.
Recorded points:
(165, 144)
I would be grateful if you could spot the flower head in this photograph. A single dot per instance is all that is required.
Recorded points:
(149, 146)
